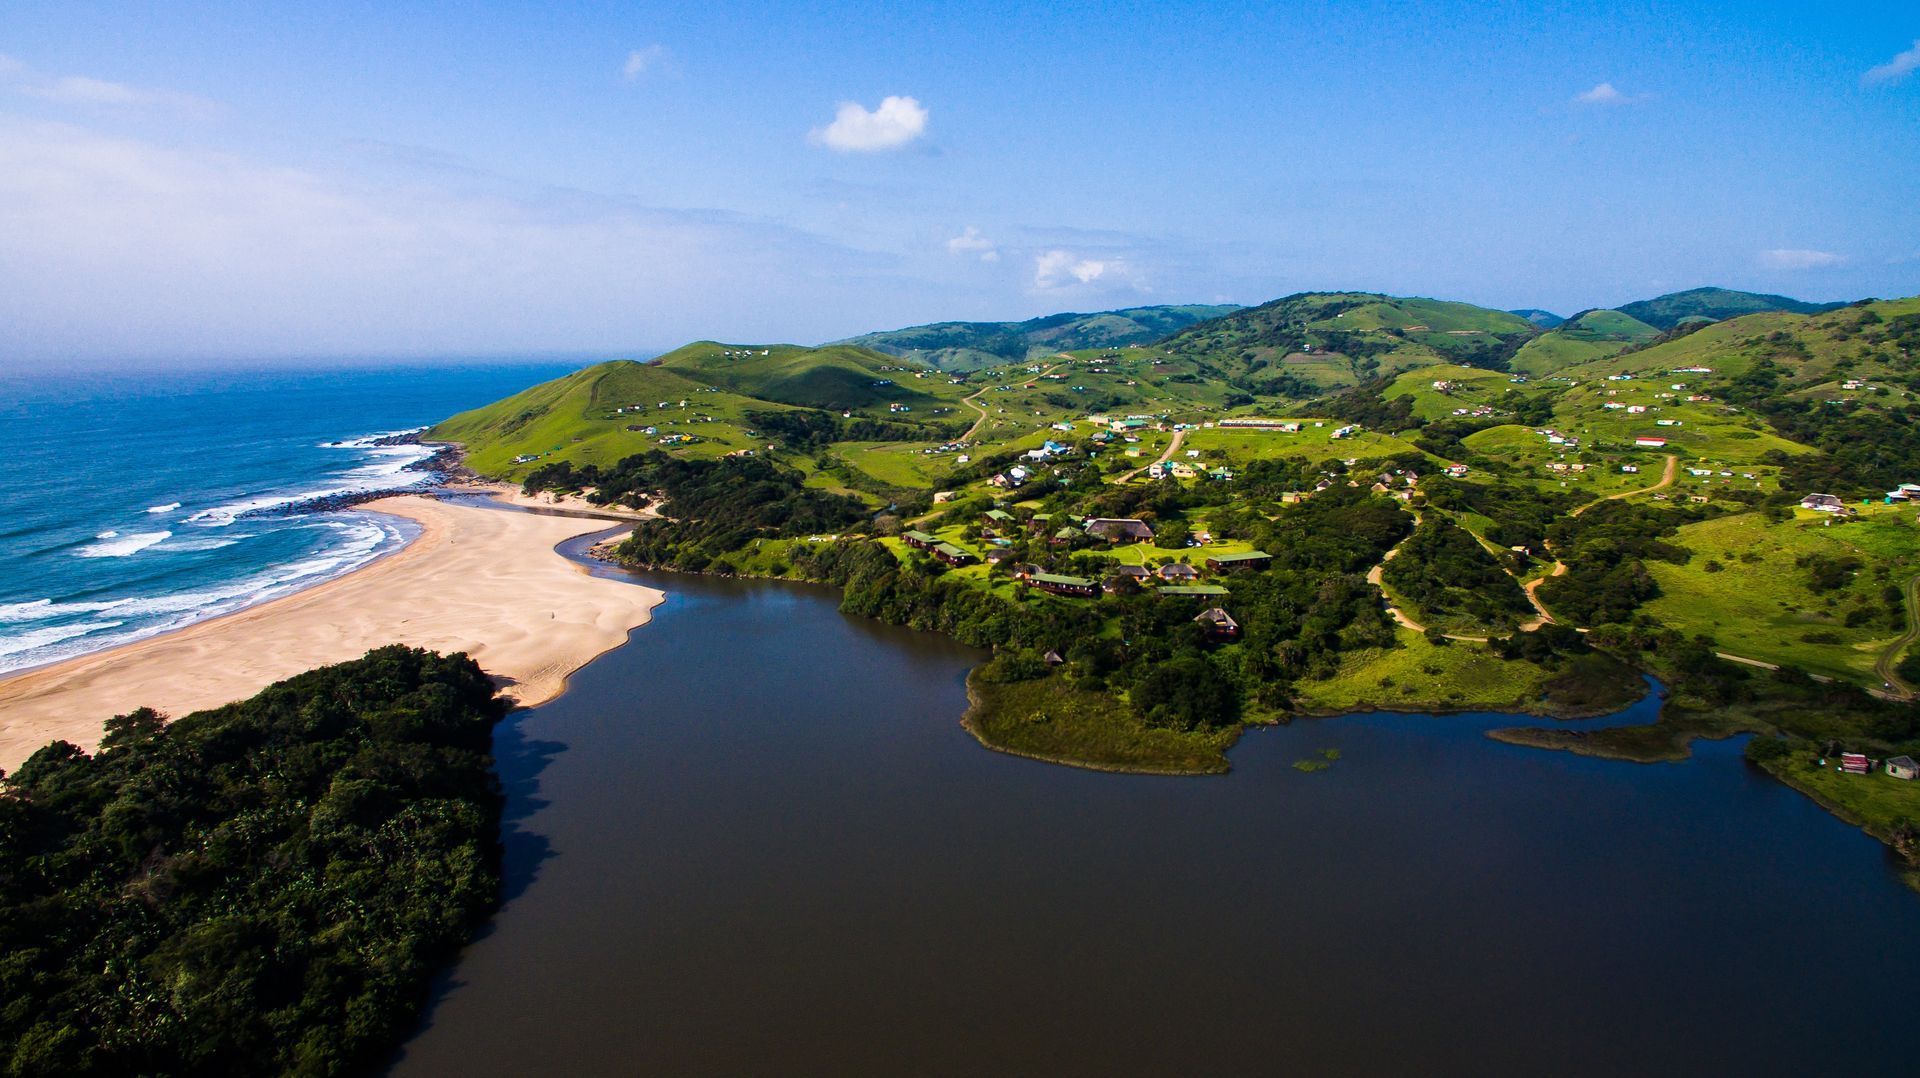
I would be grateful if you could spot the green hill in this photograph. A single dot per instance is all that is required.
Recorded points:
(1303, 345)
(966, 346)
(837, 376)
(599, 415)
(1543, 319)
(1587, 336)
(1668, 311)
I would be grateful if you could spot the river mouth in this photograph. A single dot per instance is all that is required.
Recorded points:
(757, 840)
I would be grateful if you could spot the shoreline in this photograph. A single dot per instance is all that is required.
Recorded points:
(486, 581)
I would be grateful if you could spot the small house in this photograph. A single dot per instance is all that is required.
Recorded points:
(1120, 530)
(997, 518)
(953, 555)
(1178, 570)
(1218, 624)
(1252, 559)
(1822, 503)
(1854, 763)
(1077, 586)
(1903, 767)
(919, 540)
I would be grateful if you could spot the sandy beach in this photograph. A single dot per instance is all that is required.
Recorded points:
(483, 581)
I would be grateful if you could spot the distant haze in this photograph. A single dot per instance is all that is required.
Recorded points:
(272, 182)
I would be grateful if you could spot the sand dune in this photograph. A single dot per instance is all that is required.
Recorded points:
(483, 581)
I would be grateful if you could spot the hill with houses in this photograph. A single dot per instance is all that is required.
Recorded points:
(1330, 501)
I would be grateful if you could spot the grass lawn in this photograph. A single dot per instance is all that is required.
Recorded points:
(1876, 801)
(1420, 674)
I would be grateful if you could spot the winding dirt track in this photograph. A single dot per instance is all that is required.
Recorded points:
(1545, 617)
(1178, 437)
(1884, 665)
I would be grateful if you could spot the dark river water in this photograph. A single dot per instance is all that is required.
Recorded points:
(756, 841)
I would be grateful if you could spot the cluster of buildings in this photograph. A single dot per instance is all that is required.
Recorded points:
(1899, 767)
(1181, 469)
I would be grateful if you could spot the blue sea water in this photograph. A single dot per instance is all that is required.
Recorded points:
(124, 493)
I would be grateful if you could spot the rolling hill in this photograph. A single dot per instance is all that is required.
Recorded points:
(1303, 345)
(1586, 336)
(966, 346)
(1543, 319)
(837, 376)
(1668, 311)
(597, 416)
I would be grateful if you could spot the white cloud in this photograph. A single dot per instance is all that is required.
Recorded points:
(1894, 70)
(9, 65)
(1058, 269)
(1792, 258)
(1606, 94)
(898, 121)
(972, 241)
(641, 61)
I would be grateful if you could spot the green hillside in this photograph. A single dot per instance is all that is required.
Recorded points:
(965, 346)
(1586, 336)
(599, 415)
(836, 377)
(1543, 319)
(1307, 344)
(1668, 311)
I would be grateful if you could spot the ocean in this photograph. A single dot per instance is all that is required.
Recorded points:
(126, 496)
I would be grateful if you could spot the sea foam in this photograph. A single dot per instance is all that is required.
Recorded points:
(115, 545)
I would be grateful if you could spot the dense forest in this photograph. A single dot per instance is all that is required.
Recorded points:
(717, 506)
(261, 888)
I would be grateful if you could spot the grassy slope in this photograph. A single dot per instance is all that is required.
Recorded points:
(1582, 339)
(1759, 605)
(838, 377)
(1419, 674)
(1472, 387)
(1292, 336)
(573, 418)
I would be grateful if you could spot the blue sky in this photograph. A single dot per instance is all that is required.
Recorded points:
(260, 181)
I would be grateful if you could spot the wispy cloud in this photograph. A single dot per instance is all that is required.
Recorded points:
(1796, 258)
(972, 242)
(1606, 94)
(88, 92)
(1894, 70)
(898, 121)
(641, 61)
(141, 248)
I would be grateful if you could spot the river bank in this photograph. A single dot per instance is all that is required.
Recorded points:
(484, 581)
